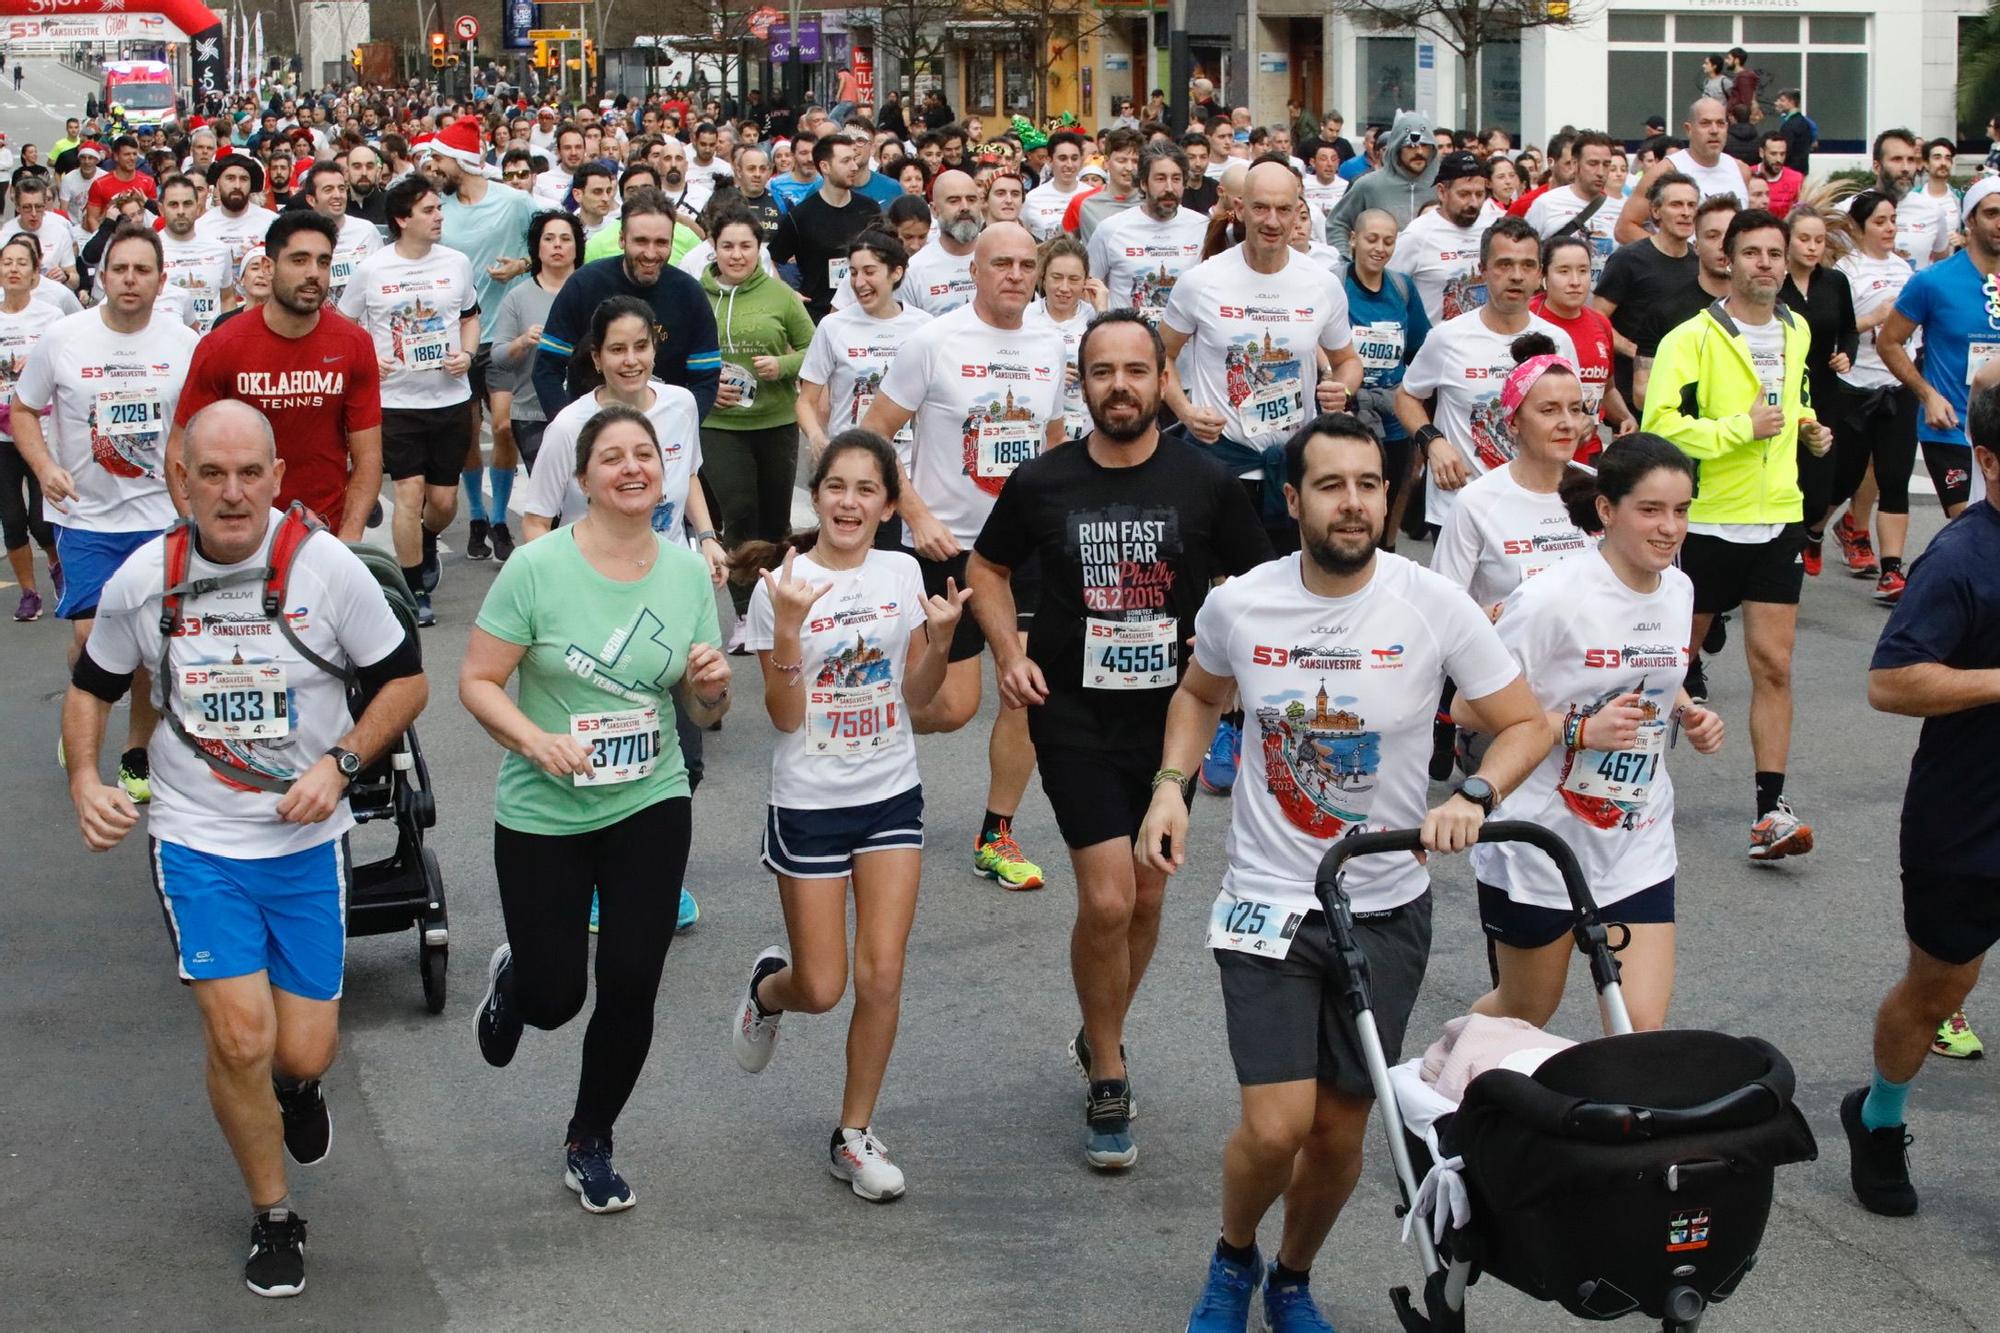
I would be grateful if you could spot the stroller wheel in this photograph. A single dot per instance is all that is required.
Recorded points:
(433, 934)
(1685, 1308)
(432, 960)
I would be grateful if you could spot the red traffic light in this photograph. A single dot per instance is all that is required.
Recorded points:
(437, 41)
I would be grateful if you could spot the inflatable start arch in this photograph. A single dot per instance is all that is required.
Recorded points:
(189, 20)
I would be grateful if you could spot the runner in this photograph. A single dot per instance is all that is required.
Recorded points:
(23, 321)
(1390, 325)
(605, 622)
(1439, 250)
(985, 393)
(555, 243)
(415, 298)
(1464, 433)
(852, 350)
(247, 830)
(1939, 659)
(1566, 278)
(1046, 203)
(1353, 755)
(1582, 207)
(1089, 209)
(1069, 299)
(818, 226)
(939, 277)
(231, 217)
(1399, 186)
(1924, 223)
(106, 380)
(1141, 253)
(1702, 161)
(326, 194)
(1646, 276)
(1730, 392)
(1129, 528)
(308, 371)
(853, 626)
(53, 232)
(202, 268)
(1818, 292)
(124, 175)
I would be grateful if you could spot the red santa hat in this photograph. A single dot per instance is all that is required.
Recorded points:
(460, 142)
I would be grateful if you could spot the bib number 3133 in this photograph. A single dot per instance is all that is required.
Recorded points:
(235, 703)
(1243, 926)
(624, 746)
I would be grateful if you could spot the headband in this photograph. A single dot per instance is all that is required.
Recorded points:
(1979, 189)
(1523, 379)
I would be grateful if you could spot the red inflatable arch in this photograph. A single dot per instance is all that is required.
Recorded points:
(201, 26)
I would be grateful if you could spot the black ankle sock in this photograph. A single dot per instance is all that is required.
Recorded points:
(1891, 563)
(994, 825)
(1233, 1254)
(1770, 789)
(1283, 1276)
(765, 967)
(413, 575)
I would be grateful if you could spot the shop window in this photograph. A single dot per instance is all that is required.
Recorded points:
(1388, 77)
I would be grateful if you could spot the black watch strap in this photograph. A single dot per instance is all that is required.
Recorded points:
(348, 762)
(1426, 433)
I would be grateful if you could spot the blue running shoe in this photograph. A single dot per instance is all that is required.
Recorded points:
(593, 912)
(587, 1169)
(1107, 1118)
(1225, 752)
(1224, 1306)
(690, 912)
(1289, 1308)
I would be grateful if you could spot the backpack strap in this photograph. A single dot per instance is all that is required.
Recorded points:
(297, 526)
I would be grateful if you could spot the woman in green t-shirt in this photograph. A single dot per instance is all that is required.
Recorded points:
(601, 620)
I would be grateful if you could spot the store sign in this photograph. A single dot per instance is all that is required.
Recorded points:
(1273, 62)
(516, 17)
(810, 46)
(864, 73)
(1117, 62)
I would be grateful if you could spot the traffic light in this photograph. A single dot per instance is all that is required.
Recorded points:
(541, 53)
(590, 55)
(437, 50)
(354, 57)
(1558, 10)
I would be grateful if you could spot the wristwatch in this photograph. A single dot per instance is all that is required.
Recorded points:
(348, 762)
(1425, 433)
(1480, 792)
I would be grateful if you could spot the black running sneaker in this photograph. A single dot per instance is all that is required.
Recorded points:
(308, 1124)
(477, 547)
(1696, 683)
(1107, 1123)
(1878, 1161)
(503, 542)
(499, 1021)
(277, 1264)
(1079, 1056)
(431, 568)
(587, 1169)
(1718, 635)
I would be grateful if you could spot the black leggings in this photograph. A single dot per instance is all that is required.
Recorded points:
(751, 474)
(1879, 426)
(635, 866)
(19, 520)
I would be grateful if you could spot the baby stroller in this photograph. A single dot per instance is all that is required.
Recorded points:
(1630, 1173)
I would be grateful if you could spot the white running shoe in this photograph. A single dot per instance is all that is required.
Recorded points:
(754, 1034)
(862, 1160)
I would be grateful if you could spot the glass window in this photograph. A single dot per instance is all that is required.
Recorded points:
(1388, 77)
(1020, 87)
(1842, 31)
(1779, 69)
(979, 85)
(1768, 28)
(1836, 92)
(1638, 27)
(1500, 86)
(1638, 90)
(1688, 84)
(1717, 28)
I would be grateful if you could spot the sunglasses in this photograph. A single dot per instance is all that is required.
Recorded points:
(516, 175)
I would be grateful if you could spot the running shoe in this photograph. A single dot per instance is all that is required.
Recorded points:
(1780, 834)
(1079, 1056)
(1696, 681)
(503, 542)
(135, 775)
(430, 568)
(1814, 555)
(29, 607)
(1889, 587)
(690, 912)
(1224, 1306)
(1957, 1040)
(593, 911)
(1225, 752)
(425, 616)
(1107, 1119)
(739, 638)
(862, 1160)
(1878, 1161)
(754, 1034)
(277, 1264)
(587, 1170)
(1856, 550)
(477, 547)
(308, 1124)
(1718, 635)
(999, 858)
(1289, 1308)
(499, 1021)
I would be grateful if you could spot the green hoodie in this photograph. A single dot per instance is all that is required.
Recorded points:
(759, 317)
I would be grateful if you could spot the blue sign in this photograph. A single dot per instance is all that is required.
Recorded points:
(517, 18)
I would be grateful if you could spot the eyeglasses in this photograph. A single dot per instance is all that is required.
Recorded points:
(516, 175)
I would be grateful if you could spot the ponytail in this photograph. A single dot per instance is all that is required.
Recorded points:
(751, 559)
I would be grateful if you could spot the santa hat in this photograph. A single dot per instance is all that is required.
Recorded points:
(460, 142)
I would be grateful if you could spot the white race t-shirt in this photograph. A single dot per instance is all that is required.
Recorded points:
(1339, 695)
(1501, 534)
(1725, 177)
(983, 398)
(1875, 283)
(1251, 340)
(1324, 196)
(333, 604)
(1076, 416)
(1924, 224)
(1443, 260)
(551, 188)
(114, 396)
(358, 240)
(18, 336)
(1583, 638)
(52, 293)
(855, 746)
(936, 282)
(1553, 209)
(58, 238)
(239, 233)
(551, 490)
(411, 308)
(1140, 259)
(200, 268)
(850, 353)
(1465, 364)
(1042, 211)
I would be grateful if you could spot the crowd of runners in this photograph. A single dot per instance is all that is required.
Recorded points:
(1121, 430)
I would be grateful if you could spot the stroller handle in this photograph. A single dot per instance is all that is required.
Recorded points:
(1327, 880)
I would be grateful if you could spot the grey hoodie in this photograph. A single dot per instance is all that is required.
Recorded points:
(1389, 187)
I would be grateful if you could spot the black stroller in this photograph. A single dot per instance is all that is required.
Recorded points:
(1630, 1173)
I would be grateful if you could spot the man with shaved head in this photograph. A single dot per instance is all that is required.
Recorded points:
(939, 278)
(985, 390)
(1702, 161)
(249, 814)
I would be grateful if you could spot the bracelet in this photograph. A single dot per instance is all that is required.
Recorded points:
(795, 670)
(1573, 731)
(1166, 775)
(708, 535)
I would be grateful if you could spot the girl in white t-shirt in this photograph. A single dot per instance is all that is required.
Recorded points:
(848, 643)
(1876, 437)
(23, 320)
(1069, 299)
(1602, 640)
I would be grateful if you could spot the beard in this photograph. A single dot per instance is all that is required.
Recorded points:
(235, 201)
(1122, 432)
(1340, 555)
(298, 301)
(965, 230)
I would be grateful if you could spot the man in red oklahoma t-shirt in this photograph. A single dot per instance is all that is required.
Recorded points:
(124, 175)
(310, 371)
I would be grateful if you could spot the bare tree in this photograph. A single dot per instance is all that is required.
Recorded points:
(1043, 32)
(912, 32)
(1467, 27)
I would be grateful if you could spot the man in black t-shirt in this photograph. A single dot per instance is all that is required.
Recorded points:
(1646, 274)
(1130, 528)
(816, 230)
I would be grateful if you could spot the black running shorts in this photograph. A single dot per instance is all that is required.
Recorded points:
(1727, 574)
(1952, 917)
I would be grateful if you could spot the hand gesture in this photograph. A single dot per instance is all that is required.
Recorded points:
(1816, 437)
(1616, 725)
(941, 613)
(458, 362)
(1447, 465)
(105, 815)
(1022, 684)
(1703, 727)
(1331, 395)
(708, 673)
(57, 486)
(557, 756)
(1204, 423)
(766, 367)
(791, 597)
(1095, 292)
(1766, 420)
(316, 795)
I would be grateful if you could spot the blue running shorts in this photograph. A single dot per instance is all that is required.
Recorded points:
(231, 917)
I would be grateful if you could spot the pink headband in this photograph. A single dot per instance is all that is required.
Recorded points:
(1523, 379)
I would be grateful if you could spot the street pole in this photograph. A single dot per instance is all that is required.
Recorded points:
(1180, 63)
(794, 88)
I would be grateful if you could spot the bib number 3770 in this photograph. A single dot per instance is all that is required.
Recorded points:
(1244, 926)
(624, 746)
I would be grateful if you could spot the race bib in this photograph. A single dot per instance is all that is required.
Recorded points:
(1380, 347)
(1277, 408)
(1624, 776)
(1976, 357)
(205, 304)
(1249, 927)
(343, 269)
(129, 412)
(624, 746)
(235, 703)
(836, 272)
(743, 380)
(1131, 654)
(844, 722)
(1076, 422)
(1005, 445)
(426, 350)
